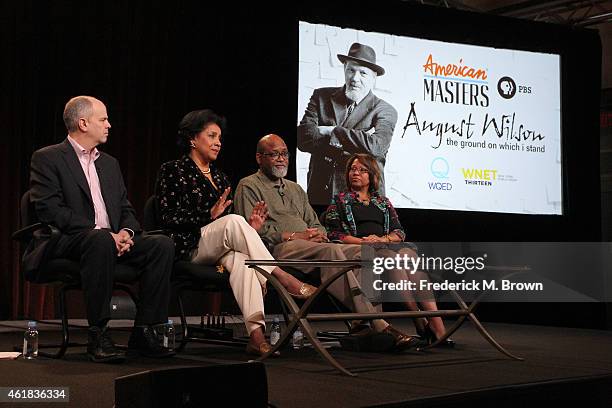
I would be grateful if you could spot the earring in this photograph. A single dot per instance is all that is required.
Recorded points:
(192, 145)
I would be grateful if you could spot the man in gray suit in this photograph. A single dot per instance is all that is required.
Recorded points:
(339, 122)
(80, 191)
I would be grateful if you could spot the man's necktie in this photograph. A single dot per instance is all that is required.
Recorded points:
(349, 110)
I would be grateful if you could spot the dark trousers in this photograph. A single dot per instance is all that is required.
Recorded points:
(95, 250)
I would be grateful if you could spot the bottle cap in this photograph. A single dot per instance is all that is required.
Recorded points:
(31, 323)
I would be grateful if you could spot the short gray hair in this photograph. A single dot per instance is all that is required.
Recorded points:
(76, 108)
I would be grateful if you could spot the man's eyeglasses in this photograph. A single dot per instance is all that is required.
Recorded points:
(276, 155)
(360, 170)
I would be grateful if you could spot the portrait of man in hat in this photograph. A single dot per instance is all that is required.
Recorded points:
(341, 121)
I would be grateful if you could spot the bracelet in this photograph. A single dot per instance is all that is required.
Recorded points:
(291, 236)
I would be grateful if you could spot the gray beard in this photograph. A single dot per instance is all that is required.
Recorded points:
(354, 95)
(277, 173)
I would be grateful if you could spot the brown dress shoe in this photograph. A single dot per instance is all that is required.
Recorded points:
(263, 348)
(402, 341)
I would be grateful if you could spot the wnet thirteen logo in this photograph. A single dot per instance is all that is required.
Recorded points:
(479, 177)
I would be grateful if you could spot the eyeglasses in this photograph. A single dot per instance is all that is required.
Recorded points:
(360, 170)
(276, 155)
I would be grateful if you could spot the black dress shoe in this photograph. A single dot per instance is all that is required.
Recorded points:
(402, 341)
(368, 340)
(101, 348)
(431, 338)
(144, 341)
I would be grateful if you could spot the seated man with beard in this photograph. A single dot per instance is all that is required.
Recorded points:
(293, 230)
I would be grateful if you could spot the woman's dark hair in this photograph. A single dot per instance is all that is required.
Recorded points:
(193, 123)
(370, 163)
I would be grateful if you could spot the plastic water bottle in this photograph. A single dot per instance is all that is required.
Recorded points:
(30, 341)
(168, 336)
(275, 331)
(297, 342)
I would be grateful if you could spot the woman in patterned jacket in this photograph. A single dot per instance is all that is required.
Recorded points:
(362, 216)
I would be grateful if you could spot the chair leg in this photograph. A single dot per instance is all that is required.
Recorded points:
(184, 327)
(65, 334)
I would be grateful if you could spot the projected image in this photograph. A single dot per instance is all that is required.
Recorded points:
(452, 126)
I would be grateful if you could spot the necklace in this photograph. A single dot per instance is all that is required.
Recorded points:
(205, 172)
(364, 201)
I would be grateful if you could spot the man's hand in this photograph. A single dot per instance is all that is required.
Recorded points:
(258, 215)
(311, 234)
(123, 242)
(326, 130)
(221, 204)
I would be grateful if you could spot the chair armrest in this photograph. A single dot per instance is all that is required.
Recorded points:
(25, 234)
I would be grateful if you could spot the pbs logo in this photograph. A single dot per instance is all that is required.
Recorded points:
(506, 87)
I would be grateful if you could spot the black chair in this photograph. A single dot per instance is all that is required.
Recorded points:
(61, 273)
(187, 276)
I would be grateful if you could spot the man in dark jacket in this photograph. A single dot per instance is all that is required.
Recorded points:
(80, 190)
(339, 122)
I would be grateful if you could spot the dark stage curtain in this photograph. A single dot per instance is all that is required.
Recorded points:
(153, 61)
(150, 62)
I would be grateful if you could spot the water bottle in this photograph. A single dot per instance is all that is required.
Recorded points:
(168, 336)
(297, 342)
(275, 331)
(30, 342)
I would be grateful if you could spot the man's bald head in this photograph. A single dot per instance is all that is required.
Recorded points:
(76, 108)
(87, 121)
(269, 142)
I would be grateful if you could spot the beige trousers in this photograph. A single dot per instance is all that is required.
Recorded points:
(347, 288)
(230, 240)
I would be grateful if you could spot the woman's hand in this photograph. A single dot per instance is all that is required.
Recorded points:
(375, 238)
(221, 205)
(349, 239)
(258, 215)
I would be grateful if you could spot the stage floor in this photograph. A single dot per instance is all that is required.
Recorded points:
(302, 379)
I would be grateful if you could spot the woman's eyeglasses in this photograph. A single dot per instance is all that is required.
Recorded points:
(360, 170)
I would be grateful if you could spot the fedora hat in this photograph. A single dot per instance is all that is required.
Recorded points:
(364, 55)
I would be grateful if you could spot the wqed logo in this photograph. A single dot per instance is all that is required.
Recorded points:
(506, 87)
(439, 169)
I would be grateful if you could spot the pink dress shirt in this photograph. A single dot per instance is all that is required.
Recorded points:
(87, 160)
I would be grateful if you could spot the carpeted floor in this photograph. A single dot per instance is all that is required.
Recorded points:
(302, 379)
